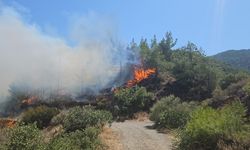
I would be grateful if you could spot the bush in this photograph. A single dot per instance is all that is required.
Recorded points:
(170, 112)
(81, 118)
(131, 100)
(208, 126)
(24, 137)
(246, 88)
(78, 140)
(3, 137)
(41, 115)
(59, 118)
(231, 78)
(172, 119)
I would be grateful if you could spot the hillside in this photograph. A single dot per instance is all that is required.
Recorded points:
(236, 58)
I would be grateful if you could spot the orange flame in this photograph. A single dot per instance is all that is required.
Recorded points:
(140, 74)
(30, 100)
(7, 123)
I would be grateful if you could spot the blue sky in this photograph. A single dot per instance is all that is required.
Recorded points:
(214, 25)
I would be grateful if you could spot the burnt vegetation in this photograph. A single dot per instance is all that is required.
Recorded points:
(207, 102)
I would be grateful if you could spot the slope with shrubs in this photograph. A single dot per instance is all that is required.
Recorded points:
(81, 129)
(183, 75)
(78, 140)
(23, 137)
(42, 115)
(208, 128)
(79, 118)
(197, 78)
(235, 58)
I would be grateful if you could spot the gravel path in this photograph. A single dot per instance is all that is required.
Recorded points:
(136, 135)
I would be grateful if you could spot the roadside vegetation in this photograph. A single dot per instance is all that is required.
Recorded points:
(204, 101)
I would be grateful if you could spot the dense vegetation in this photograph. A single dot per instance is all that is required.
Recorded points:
(206, 100)
(40, 115)
(195, 75)
(80, 118)
(170, 112)
(236, 58)
(128, 101)
(208, 127)
(78, 140)
(80, 130)
(23, 137)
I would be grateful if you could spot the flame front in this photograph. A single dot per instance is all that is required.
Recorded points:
(9, 123)
(30, 100)
(140, 74)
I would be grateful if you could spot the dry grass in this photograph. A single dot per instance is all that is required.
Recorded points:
(51, 132)
(2, 136)
(141, 116)
(110, 139)
(7, 122)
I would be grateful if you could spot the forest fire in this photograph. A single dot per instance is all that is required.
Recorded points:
(140, 74)
(30, 100)
(7, 123)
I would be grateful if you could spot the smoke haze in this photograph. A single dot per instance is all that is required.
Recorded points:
(29, 56)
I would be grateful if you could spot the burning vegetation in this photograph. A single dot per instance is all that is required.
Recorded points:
(139, 75)
(9, 123)
(168, 80)
(30, 100)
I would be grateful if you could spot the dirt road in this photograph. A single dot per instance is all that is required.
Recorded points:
(136, 135)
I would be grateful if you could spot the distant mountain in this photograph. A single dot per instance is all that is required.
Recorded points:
(239, 59)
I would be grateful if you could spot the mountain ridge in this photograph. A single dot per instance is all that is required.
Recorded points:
(239, 59)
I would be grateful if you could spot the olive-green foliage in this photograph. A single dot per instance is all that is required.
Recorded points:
(132, 100)
(159, 54)
(41, 115)
(78, 140)
(59, 118)
(242, 138)
(195, 79)
(231, 78)
(170, 112)
(81, 118)
(236, 58)
(166, 45)
(246, 88)
(144, 50)
(24, 137)
(208, 126)
(196, 75)
(156, 60)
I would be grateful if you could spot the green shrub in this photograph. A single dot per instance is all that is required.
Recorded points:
(231, 78)
(77, 140)
(208, 126)
(242, 138)
(170, 112)
(131, 100)
(24, 137)
(41, 115)
(173, 119)
(59, 118)
(246, 88)
(81, 118)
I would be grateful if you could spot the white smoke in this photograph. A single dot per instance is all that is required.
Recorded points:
(27, 55)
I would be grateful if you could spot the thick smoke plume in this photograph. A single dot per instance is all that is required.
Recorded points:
(31, 58)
